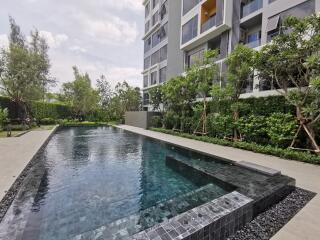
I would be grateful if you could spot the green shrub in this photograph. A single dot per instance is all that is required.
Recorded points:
(281, 128)
(219, 125)
(171, 120)
(254, 129)
(3, 117)
(275, 151)
(48, 121)
(189, 124)
(156, 121)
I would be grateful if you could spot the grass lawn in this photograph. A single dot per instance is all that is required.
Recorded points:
(3, 134)
(44, 127)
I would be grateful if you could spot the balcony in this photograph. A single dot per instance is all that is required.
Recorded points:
(254, 44)
(251, 7)
(211, 22)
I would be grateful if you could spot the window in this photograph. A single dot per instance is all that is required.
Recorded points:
(145, 99)
(153, 78)
(147, 9)
(163, 53)
(147, 27)
(154, 3)
(194, 58)
(163, 32)
(155, 58)
(145, 81)
(162, 74)
(164, 10)
(253, 39)
(188, 5)
(147, 45)
(155, 39)
(273, 27)
(159, 35)
(155, 18)
(146, 63)
(190, 30)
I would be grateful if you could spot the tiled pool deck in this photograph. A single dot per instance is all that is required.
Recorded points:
(305, 224)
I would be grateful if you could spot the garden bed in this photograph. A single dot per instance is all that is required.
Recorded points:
(278, 152)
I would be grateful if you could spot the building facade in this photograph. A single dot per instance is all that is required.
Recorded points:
(195, 26)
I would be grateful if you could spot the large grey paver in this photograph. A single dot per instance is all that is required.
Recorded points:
(305, 225)
(16, 153)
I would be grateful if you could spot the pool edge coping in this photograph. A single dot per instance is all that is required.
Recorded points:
(11, 193)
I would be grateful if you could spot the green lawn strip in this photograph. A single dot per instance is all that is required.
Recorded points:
(3, 134)
(279, 152)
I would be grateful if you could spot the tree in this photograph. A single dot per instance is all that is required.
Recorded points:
(240, 66)
(80, 95)
(179, 95)
(105, 91)
(24, 70)
(203, 73)
(125, 98)
(157, 98)
(291, 65)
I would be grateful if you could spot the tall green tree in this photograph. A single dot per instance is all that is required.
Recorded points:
(291, 65)
(240, 67)
(179, 95)
(105, 91)
(24, 69)
(125, 98)
(80, 95)
(203, 73)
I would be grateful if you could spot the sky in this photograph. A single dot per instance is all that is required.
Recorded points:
(98, 36)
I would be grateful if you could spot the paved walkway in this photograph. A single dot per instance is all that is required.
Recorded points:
(15, 154)
(305, 225)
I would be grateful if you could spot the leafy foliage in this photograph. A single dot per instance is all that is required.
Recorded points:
(292, 60)
(79, 94)
(281, 129)
(24, 68)
(3, 117)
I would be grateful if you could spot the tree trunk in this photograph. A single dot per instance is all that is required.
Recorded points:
(235, 130)
(308, 128)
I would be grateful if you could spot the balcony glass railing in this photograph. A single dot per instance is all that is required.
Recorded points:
(254, 44)
(208, 24)
(251, 7)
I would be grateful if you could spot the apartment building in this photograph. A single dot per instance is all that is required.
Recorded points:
(163, 58)
(222, 24)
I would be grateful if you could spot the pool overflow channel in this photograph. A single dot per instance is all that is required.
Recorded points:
(199, 214)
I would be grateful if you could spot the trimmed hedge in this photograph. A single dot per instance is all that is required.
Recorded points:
(40, 110)
(279, 152)
(261, 106)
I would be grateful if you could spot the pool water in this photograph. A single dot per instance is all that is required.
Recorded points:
(91, 177)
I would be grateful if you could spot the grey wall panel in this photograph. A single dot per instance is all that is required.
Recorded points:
(224, 44)
(235, 24)
(175, 55)
(220, 12)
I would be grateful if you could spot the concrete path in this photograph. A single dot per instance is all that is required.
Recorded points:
(15, 154)
(305, 225)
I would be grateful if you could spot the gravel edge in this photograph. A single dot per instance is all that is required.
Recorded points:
(268, 223)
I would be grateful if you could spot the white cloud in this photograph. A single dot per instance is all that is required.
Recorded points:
(4, 41)
(111, 30)
(126, 4)
(77, 49)
(54, 41)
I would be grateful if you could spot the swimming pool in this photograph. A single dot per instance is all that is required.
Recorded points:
(92, 180)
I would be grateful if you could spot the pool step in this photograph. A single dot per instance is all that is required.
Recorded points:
(258, 168)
